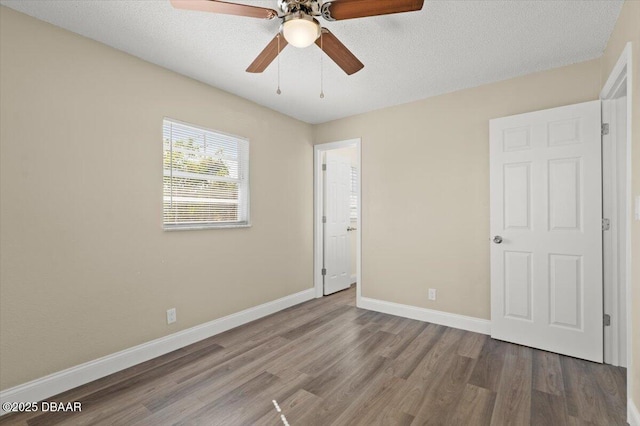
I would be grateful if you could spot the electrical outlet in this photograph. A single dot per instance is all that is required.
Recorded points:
(171, 316)
(432, 294)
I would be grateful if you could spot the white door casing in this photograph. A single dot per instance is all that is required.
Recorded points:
(337, 186)
(546, 205)
(616, 210)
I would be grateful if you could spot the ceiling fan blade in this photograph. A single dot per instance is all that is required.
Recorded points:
(267, 55)
(338, 52)
(349, 9)
(226, 8)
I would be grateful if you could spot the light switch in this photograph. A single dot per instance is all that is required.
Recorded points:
(636, 209)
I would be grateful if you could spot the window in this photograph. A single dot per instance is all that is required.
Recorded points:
(353, 198)
(205, 178)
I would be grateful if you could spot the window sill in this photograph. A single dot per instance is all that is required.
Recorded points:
(201, 227)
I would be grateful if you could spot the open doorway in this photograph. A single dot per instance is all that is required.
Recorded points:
(337, 217)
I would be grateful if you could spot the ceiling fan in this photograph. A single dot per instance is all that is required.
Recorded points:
(299, 26)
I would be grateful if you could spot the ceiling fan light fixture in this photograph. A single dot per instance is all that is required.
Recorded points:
(300, 29)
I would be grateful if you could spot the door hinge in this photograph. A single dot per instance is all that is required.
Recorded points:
(324, 271)
(606, 224)
(324, 167)
(324, 219)
(604, 129)
(607, 320)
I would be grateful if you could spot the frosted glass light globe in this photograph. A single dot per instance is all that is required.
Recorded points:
(301, 32)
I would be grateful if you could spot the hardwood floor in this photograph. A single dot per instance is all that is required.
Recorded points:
(326, 362)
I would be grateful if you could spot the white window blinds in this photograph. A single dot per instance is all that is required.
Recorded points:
(353, 198)
(206, 178)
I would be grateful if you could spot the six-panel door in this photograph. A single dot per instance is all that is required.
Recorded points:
(546, 203)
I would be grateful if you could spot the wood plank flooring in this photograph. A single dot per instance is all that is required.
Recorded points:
(327, 362)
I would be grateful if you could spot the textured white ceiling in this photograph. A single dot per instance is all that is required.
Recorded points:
(449, 45)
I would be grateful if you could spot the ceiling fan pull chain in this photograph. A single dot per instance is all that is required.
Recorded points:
(278, 91)
(321, 71)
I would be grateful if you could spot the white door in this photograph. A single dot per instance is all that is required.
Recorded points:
(337, 260)
(546, 230)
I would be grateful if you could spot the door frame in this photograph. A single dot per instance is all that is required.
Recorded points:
(622, 73)
(318, 207)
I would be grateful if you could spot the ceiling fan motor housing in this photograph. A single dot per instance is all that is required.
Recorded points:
(308, 7)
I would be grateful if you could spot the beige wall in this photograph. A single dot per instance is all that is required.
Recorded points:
(85, 268)
(628, 29)
(425, 183)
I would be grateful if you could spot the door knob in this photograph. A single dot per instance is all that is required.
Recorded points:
(497, 239)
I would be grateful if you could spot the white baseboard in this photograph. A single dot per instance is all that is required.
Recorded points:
(53, 384)
(633, 414)
(476, 325)
(354, 278)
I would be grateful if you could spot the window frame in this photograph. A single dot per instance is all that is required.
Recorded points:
(247, 193)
